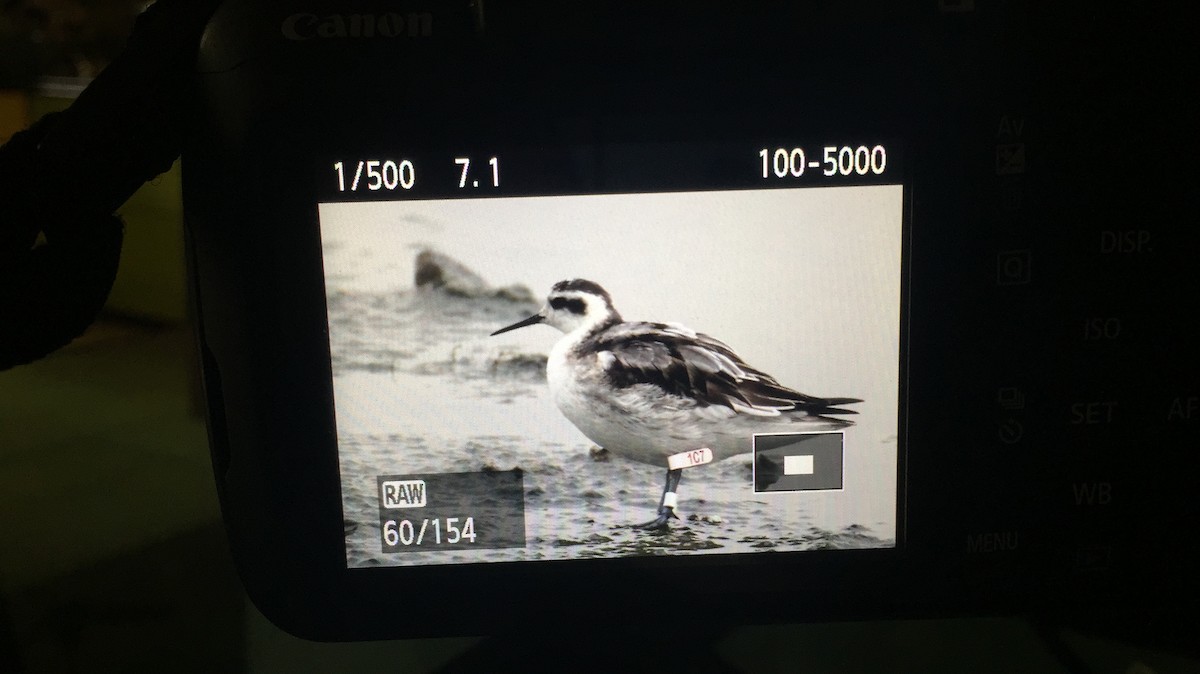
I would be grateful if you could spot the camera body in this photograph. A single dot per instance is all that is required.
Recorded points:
(872, 205)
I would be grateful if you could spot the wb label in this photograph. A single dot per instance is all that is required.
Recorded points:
(404, 494)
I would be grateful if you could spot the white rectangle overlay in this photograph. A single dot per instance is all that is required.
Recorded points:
(798, 465)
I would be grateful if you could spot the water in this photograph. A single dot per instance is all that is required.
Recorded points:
(420, 388)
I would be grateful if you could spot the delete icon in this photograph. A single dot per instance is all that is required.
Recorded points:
(1010, 158)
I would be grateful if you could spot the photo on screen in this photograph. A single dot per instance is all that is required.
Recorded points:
(454, 447)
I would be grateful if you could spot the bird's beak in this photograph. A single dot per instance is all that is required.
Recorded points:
(532, 320)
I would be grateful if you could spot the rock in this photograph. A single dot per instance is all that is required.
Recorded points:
(435, 270)
(442, 272)
(515, 293)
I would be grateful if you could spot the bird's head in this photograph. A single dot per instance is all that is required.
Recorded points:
(573, 306)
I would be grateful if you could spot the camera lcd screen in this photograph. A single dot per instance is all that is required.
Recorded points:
(686, 372)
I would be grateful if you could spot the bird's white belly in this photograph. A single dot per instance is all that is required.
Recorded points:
(638, 422)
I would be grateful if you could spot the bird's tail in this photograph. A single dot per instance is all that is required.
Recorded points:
(832, 406)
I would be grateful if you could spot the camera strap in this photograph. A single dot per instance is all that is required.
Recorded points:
(55, 275)
(62, 179)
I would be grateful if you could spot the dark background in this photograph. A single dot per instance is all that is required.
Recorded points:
(114, 556)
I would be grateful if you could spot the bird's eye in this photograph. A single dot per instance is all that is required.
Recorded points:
(558, 302)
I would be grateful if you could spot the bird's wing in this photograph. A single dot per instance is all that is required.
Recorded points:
(693, 365)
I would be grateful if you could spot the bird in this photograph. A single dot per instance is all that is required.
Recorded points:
(649, 391)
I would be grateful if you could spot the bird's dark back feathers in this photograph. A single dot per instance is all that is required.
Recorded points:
(688, 364)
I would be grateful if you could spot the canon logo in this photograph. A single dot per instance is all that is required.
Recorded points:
(389, 24)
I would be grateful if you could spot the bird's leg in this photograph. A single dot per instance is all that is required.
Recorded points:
(666, 504)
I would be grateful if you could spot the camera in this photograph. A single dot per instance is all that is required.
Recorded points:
(668, 314)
